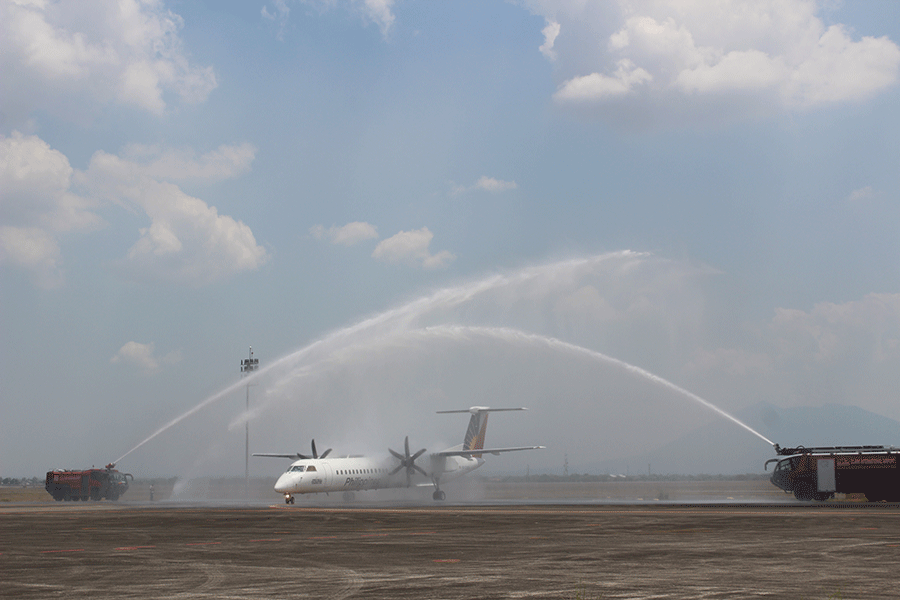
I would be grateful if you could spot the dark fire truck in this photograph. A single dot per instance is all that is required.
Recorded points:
(92, 484)
(818, 473)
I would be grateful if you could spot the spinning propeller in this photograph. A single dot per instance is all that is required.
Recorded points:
(314, 453)
(408, 462)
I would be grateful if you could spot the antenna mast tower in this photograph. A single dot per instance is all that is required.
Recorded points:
(248, 365)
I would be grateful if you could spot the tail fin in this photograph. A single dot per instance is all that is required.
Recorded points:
(474, 439)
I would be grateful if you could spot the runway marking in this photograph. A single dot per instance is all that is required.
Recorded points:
(55, 551)
(202, 543)
(134, 547)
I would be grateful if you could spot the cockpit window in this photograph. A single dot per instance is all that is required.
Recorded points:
(310, 468)
(298, 468)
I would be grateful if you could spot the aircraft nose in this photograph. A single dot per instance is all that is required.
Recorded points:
(284, 483)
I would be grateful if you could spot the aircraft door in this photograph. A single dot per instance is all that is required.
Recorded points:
(327, 475)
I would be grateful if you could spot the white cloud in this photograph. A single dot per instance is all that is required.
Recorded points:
(845, 353)
(732, 362)
(863, 193)
(54, 54)
(412, 247)
(281, 14)
(187, 241)
(348, 235)
(692, 57)
(379, 12)
(143, 356)
(37, 206)
(487, 184)
(550, 32)
(595, 86)
(867, 328)
(35, 250)
(838, 69)
(183, 164)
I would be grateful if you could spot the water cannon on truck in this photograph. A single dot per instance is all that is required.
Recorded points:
(89, 484)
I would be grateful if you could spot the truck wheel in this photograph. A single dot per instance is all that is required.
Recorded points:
(873, 495)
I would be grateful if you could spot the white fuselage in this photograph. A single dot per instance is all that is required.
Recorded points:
(353, 473)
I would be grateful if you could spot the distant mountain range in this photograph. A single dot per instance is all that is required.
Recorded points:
(722, 447)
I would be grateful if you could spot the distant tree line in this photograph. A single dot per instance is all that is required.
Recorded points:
(22, 481)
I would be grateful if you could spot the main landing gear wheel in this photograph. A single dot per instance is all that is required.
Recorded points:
(439, 495)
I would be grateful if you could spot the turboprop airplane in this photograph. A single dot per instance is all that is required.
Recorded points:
(348, 474)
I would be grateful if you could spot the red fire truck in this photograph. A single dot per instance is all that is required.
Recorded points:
(92, 484)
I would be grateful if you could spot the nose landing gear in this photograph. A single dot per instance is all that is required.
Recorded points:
(288, 499)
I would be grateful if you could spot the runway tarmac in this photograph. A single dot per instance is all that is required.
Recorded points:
(585, 551)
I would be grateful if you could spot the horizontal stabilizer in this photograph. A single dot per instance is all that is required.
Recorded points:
(267, 455)
(494, 451)
(477, 409)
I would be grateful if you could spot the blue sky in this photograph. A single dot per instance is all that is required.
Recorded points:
(181, 180)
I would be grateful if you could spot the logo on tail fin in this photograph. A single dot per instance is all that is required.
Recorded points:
(474, 439)
(475, 433)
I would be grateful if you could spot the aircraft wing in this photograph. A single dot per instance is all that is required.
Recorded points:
(495, 451)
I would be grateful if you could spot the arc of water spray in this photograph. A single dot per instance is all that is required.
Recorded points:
(403, 316)
(515, 335)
